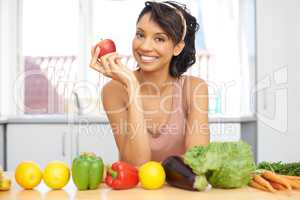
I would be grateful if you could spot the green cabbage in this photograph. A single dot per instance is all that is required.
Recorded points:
(224, 164)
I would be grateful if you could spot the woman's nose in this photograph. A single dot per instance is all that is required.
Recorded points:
(146, 45)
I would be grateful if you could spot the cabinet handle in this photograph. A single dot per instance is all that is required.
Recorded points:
(63, 144)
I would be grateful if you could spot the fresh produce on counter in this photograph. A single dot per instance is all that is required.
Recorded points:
(28, 174)
(152, 175)
(180, 175)
(271, 182)
(121, 175)
(56, 174)
(291, 169)
(87, 171)
(222, 164)
(5, 182)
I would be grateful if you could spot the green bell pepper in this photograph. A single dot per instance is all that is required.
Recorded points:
(87, 171)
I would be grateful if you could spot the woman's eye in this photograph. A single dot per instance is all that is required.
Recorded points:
(139, 35)
(160, 39)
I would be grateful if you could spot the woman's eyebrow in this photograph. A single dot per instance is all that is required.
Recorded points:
(159, 33)
(140, 29)
(162, 34)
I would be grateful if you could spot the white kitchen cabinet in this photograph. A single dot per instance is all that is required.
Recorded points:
(97, 138)
(46, 142)
(38, 142)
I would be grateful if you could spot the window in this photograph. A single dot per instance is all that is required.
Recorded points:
(50, 52)
(229, 29)
(53, 38)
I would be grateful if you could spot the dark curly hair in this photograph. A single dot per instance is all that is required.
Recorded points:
(171, 22)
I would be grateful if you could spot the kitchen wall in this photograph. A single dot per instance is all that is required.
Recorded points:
(9, 51)
(278, 69)
(1, 58)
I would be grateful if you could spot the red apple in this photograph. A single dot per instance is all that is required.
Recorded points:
(106, 46)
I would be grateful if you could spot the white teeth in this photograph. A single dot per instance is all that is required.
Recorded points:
(148, 58)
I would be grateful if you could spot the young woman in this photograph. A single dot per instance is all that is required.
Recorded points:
(155, 111)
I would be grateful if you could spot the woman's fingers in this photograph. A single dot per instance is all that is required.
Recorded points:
(95, 55)
(119, 70)
(93, 50)
(95, 64)
(104, 60)
(118, 60)
(114, 61)
(110, 64)
(117, 67)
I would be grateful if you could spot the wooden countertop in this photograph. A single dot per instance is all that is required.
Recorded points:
(69, 192)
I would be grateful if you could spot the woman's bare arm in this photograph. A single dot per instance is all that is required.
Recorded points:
(197, 129)
(127, 122)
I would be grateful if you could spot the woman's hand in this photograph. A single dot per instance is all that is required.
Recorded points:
(110, 65)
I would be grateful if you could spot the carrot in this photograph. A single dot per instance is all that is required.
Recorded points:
(276, 178)
(291, 177)
(263, 182)
(294, 183)
(277, 186)
(256, 185)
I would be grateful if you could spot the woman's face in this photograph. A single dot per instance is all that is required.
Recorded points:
(151, 46)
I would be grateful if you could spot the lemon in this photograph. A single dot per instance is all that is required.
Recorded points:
(152, 175)
(28, 174)
(5, 184)
(56, 174)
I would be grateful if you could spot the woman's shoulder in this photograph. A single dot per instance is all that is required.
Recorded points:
(191, 82)
(193, 86)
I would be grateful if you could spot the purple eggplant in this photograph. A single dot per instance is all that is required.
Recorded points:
(180, 175)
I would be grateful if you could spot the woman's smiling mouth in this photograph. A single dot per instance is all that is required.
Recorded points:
(148, 59)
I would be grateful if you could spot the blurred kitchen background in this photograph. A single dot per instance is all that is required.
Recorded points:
(50, 103)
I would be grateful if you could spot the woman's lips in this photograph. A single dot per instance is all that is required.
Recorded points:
(148, 59)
